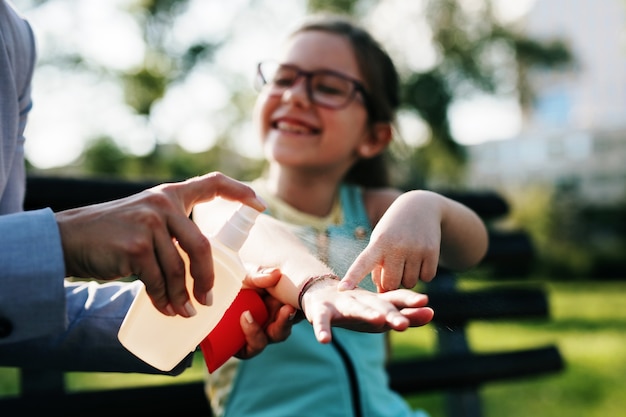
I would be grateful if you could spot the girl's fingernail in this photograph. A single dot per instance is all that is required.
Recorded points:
(398, 321)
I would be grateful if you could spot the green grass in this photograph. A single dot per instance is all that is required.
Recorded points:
(588, 323)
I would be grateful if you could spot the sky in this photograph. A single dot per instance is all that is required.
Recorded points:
(70, 108)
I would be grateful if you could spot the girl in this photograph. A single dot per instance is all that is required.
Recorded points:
(324, 116)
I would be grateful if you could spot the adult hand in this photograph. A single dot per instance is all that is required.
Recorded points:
(361, 310)
(139, 235)
(281, 316)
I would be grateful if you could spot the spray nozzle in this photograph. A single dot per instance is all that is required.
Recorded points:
(235, 231)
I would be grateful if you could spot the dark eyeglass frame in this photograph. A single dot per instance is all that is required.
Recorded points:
(358, 87)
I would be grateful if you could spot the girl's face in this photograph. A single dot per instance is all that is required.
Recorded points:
(296, 132)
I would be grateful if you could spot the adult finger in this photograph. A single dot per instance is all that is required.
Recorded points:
(147, 269)
(194, 249)
(173, 269)
(214, 184)
(191, 192)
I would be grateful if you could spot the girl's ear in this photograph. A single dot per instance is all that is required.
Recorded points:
(377, 141)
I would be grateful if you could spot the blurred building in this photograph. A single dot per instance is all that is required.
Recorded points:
(591, 164)
(575, 133)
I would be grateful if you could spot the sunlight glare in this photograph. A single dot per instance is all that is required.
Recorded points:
(483, 118)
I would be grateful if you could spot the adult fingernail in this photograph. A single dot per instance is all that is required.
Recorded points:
(208, 299)
(263, 203)
(248, 316)
(342, 286)
(191, 311)
(170, 310)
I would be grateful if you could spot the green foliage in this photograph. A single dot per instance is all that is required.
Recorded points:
(572, 242)
(437, 161)
(166, 162)
(143, 87)
(533, 209)
(332, 6)
(431, 166)
(104, 157)
(466, 39)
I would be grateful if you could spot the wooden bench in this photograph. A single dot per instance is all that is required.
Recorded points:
(455, 369)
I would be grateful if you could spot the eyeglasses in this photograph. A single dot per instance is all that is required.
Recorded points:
(325, 88)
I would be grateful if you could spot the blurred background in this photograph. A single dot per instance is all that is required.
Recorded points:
(524, 97)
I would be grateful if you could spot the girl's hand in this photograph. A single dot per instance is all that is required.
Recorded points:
(361, 310)
(419, 231)
(404, 246)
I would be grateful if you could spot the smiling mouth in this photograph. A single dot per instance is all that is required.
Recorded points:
(294, 128)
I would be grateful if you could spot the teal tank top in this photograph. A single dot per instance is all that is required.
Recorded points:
(301, 377)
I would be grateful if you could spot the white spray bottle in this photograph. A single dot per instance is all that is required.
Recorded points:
(163, 341)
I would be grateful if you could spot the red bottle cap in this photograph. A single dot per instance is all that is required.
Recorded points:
(227, 337)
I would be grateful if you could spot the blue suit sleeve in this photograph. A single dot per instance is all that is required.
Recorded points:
(32, 297)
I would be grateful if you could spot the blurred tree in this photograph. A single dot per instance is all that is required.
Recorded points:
(470, 43)
(166, 162)
(105, 158)
(162, 64)
(467, 39)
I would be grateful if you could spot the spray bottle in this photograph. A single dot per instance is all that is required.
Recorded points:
(163, 341)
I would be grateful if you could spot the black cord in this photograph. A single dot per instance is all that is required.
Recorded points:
(354, 383)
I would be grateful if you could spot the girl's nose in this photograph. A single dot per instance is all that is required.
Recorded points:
(297, 93)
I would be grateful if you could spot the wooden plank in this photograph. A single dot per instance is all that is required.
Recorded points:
(490, 304)
(186, 399)
(62, 193)
(446, 372)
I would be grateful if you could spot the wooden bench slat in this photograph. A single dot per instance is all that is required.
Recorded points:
(492, 304)
(463, 371)
(487, 204)
(186, 399)
(60, 193)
